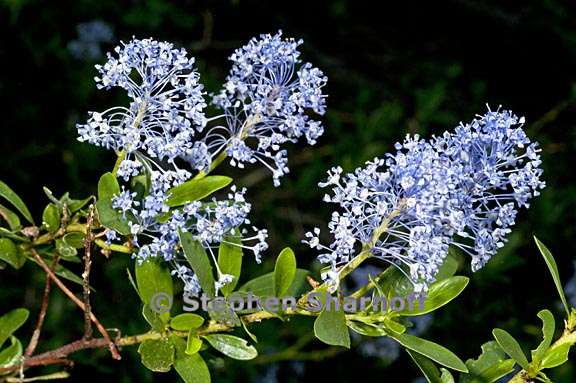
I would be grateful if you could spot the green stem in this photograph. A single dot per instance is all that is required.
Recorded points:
(113, 247)
(121, 156)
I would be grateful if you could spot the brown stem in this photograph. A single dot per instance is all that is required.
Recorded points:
(88, 238)
(78, 302)
(42, 314)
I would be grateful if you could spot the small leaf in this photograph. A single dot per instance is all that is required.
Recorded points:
(490, 366)
(510, 347)
(10, 254)
(393, 282)
(63, 272)
(107, 188)
(76, 204)
(66, 251)
(187, 321)
(157, 355)
(155, 285)
(230, 261)
(199, 262)
(548, 327)
(428, 368)
(191, 368)
(284, 272)
(330, 327)
(367, 329)
(13, 198)
(439, 294)
(75, 240)
(450, 264)
(555, 356)
(551, 263)
(263, 286)
(153, 318)
(12, 354)
(196, 189)
(437, 353)
(10, 217)
(232, 346)
(10, 322)
(194, 344)
(446, 376)
(51, 218)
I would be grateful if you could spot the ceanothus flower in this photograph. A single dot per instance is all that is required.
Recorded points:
(166, 102)
(155, 233)
(462, 189)
(267, 99)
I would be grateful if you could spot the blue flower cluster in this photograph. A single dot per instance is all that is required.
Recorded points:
(166, 107)
(462, 188)
(267, 98)
(155, 232)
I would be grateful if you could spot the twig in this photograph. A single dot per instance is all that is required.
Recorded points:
(86, 274)
(41, 315)
(79, 303)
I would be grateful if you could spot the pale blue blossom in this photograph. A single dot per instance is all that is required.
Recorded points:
(462, 189)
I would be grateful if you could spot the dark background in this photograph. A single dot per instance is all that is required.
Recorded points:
(406, 67)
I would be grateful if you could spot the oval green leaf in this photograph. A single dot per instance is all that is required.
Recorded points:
(186, 321)
(232, 346)
(437, 353)
(284, 272)
(196, 189)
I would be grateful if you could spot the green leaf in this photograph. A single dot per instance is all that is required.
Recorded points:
(263, 286)
(490, 366)
(446, 376)
(199, 262)
(10, 322)
(157, 355)
(11, 355)
(510, 347)
(548, 327)
(393, 282)
(428, 368)
(439, 294)
(75, 239)
(153, 278)
(437, 353)
(66, 251)
(65, 273)
(330, 328)
(555, 356)
(155, 286)
(8, 234)
(450, 264)
(51, 218)
(10, 254)
(551, 263)
(108, 187)
(196, 189)
(232, 346)
(76, 204)
(153, 318)
(194, 344)
(13, 198)
(187, 321)
(367, 329)
(230, 261)
(284, 272)
(191, 368)
(10, 217)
